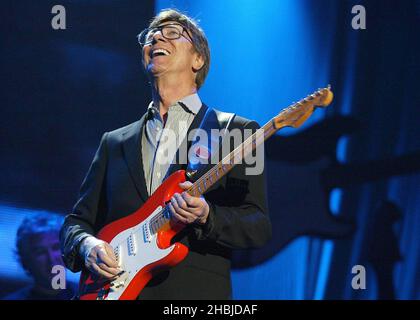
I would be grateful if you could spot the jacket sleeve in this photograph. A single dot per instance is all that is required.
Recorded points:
(83, 218)
(238, 217)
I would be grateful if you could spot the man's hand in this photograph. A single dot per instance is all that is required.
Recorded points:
(99, 257)
(188, 209)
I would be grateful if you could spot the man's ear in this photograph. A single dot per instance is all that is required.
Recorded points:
(198, 62)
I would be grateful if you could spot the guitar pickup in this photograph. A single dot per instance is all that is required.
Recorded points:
(132, 245)
(146, 232)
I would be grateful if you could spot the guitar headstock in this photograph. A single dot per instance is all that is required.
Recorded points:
(298, 113)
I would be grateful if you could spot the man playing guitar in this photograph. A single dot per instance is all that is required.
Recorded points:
(128, 168)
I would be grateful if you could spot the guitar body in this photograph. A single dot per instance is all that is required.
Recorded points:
(140, 252)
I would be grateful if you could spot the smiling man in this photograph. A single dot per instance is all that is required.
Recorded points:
(131, 163)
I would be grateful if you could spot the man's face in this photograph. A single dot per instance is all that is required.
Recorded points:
(43, 252)
(177, 56)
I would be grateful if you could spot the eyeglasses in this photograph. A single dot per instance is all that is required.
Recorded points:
(168, 31)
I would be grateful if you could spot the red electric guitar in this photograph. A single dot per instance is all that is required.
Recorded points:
(142, 240)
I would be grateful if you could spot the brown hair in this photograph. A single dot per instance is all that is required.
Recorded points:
(198, 37)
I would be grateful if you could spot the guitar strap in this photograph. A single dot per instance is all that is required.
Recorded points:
(207, 142)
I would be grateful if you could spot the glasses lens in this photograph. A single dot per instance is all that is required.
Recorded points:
(146, 36)
(171, 32)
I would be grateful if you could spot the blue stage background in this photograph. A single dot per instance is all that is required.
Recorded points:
(62, 89)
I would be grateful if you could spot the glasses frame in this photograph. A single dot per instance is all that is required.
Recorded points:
(160, 28)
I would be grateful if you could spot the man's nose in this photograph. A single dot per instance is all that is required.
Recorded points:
(157, 36)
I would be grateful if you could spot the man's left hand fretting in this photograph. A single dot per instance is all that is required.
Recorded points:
(188, 209)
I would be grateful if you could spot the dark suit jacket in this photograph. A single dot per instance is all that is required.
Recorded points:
(115, 187)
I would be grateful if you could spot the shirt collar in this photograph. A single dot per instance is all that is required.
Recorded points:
(191, 103)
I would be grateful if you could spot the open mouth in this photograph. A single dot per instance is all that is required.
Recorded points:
(160, 52)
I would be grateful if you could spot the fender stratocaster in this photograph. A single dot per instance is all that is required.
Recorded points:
(142, 240)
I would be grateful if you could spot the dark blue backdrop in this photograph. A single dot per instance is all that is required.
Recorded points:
(61, 89)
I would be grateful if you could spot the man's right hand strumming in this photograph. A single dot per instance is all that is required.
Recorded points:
(99, 258)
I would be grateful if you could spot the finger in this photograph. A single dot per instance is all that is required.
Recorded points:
(110, 251)
(181, 215)
(104, 267)
(174, 215)
(98, 271)
(178, 201)
(177, 210)
(191, 212)
(104, 257)
(184, 219)
(192, 201)
(184, 209)
(185, 185)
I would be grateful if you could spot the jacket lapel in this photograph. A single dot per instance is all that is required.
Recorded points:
(133, 156)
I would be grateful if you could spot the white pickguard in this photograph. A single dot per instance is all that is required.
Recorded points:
(136, 248)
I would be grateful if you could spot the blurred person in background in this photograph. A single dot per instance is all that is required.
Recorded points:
(38, 250)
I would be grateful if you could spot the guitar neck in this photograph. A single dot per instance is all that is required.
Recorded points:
(238, 155)
(294, 116)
